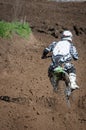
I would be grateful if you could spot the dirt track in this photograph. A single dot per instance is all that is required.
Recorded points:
(27, 100)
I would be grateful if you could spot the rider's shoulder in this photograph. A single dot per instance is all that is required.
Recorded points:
(55, 42)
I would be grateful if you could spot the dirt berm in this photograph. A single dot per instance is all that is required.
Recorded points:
(27, 100)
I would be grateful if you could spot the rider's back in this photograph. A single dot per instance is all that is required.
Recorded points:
(62, 48)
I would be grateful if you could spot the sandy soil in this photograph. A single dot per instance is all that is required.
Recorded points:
(27, 100)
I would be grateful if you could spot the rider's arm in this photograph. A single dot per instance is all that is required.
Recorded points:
(74, 52)
(45, 52)
(48, 49)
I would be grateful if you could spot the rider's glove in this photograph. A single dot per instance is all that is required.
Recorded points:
(45, 52)
(42, 57)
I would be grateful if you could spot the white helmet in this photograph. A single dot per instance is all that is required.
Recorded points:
(67, 35)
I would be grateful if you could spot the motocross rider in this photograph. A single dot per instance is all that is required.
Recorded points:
(63, 51)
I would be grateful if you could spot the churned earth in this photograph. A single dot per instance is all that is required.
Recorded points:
(27, 100)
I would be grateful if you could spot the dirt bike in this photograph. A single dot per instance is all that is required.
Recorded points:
(59, 73)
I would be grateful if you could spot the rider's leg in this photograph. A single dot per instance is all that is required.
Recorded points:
(72, 76)
(53, 78)
(54, 81)
(50, 70)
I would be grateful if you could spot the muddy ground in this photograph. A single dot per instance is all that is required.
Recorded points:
(27, 100)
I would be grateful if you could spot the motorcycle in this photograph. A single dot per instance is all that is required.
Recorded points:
(59, 73)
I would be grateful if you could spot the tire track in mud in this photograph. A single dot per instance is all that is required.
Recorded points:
(46, 101)
(17, 100)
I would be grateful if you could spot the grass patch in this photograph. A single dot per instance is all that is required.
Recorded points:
(7, 29)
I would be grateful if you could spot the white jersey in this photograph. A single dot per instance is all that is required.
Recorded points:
(62, 48)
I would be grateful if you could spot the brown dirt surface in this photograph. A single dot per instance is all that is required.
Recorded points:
(27, 100)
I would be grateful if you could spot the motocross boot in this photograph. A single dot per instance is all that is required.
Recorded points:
(72, 78)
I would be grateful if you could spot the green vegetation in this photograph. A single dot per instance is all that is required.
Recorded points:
(7, 29)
